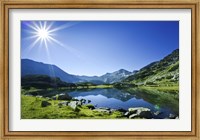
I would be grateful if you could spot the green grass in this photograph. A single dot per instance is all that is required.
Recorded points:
(168, 89)
(31, 109)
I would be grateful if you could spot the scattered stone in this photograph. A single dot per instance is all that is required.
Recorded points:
(90, 106)
(102, 110)
(64, 96)
(64, 103)
(89, 101)
(132, 116)
(73, 99)
(74, 104)
(38, 96)
(45, 104)
(83, 101)
(126, 114)
(54, 98)
(172, 116)
(137, 110)
(48, 99)
(157, 113)
(146, 114)
(140, 112)
(112, 110)
(28, 95)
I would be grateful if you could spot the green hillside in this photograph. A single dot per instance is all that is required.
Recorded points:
(161, 73)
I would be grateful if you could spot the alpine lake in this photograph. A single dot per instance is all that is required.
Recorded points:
(164, 103)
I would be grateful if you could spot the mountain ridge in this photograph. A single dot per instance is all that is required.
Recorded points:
(31, 67)
(163, 72)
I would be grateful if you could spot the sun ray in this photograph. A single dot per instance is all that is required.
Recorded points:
(44, 34)
(67, 25)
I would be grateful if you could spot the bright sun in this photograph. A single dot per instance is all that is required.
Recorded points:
(43, 33)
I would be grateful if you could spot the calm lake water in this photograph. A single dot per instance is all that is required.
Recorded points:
(167, 103)
(118, 99)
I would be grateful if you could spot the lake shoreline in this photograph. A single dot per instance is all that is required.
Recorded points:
(84, 110)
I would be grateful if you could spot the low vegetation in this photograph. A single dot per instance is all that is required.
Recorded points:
(31, 109)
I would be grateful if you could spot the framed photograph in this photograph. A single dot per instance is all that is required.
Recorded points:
(102, 69)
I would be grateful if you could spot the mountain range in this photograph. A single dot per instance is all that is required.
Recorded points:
(165, 71)
(30, 67)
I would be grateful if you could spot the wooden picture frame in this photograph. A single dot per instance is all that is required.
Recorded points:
(119, 4)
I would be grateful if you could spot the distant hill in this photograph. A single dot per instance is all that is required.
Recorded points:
(30, 67)
(43, 82)
(108, 77)
(163, 72)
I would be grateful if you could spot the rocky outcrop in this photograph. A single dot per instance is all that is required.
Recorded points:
(102, 110)
(74, 104)
(64, 96)
(139, 112)
(64, 103)
(45, 104)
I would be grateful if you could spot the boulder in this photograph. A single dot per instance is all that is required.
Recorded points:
(74, 104)
(133, 116)
(157, 113)
(140, 112)
(90, 106)
(38, 96)
(45, 104)
(126, 114)
(146, 115)
(89, 101)
(102, 110)
(64, 103)
(64, 96)
(54, 98)
(137, 110)
(172, 116)
(48, 99)
(83, 101)
(113, 110)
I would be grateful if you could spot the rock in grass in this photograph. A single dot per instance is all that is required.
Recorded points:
(38, 96)
(83, 101)
(74, 104)
(64, 103)
(137, 110)
(54, 98)
(90, 106)
(140, 112)
(102, 110)
(126, 114)
(45, 104)
(64, 96)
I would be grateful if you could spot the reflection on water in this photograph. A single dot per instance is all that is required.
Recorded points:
(118, 99)
(167, 103)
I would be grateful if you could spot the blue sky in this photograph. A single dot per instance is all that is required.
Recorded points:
(97, 47)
